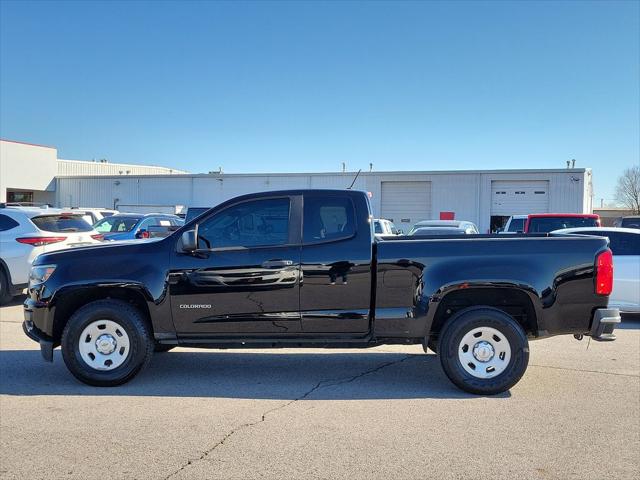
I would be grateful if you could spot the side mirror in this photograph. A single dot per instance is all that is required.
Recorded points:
(142, 233)
(189, 241)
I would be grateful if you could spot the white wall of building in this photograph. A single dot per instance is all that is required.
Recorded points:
(27, 167)
(83, 167)
(467, 193)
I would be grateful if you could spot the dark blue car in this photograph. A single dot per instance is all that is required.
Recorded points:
(129, 226)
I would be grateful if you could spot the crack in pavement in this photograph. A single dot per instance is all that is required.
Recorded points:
(319, 385)
(585, 371)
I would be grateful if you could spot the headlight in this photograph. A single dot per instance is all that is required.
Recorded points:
(40, 273)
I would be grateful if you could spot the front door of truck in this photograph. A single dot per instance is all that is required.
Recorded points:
(244, 278)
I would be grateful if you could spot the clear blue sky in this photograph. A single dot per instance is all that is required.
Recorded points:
(305, 86)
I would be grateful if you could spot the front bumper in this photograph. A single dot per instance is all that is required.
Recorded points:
(31, 331)
(604, 322)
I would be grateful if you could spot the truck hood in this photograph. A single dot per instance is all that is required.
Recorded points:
(106, 252)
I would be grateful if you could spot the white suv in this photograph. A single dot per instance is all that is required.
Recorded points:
(26, 232)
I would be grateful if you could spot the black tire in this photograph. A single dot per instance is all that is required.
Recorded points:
(126, 316)
(161, 347)
(5, 291)
(464, 322)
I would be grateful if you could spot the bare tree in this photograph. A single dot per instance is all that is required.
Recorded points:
(628, 189)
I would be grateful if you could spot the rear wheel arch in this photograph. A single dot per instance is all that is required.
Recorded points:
(71, 301)
(515, 302)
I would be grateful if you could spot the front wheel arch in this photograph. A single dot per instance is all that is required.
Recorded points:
(70, 301)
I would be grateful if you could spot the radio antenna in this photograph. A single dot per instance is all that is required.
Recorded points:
(354, 180)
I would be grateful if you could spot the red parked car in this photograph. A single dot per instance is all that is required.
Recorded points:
(548, 222)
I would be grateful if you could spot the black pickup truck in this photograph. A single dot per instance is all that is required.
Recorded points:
(303, 268)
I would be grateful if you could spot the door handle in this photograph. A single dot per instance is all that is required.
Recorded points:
(277, 263)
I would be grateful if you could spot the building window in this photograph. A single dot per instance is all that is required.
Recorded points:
(19, 197)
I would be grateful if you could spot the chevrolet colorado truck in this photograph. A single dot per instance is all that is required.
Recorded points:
(302, 268)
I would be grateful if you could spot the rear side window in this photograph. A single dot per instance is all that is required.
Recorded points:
(516, 225)
(377, 227)
(328, 218)
(630, 222)
(623, 243)
(7, 223)
(61, 223)
(549, 224)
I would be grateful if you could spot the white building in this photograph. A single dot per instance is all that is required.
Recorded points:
(28, 171)
(485, 197)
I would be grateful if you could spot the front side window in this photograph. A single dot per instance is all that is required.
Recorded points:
(148, 222)
(256, 223)
(116, 224)
(328, 218)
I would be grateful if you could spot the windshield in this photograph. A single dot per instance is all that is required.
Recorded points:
(516, 225)
(116, 224)
(61, 223)
(549, 224)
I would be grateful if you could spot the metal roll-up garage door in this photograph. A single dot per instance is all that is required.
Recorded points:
(519, 197)
(406, 203)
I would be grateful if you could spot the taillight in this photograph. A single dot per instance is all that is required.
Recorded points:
(98, 236)
(40, 241)
(604, 273)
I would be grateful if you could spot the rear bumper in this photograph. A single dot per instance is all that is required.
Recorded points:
(604, 322)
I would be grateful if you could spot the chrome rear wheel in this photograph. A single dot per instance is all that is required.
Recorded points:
(484, 352)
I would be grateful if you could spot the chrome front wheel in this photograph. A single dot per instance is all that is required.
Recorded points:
(107, 342)
(104, 345)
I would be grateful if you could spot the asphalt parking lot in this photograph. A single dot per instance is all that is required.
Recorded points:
(381, 413)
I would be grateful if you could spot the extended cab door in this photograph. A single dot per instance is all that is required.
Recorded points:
(335, 295)
(244, 278)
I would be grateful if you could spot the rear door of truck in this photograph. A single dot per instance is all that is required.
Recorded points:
(336, 264)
